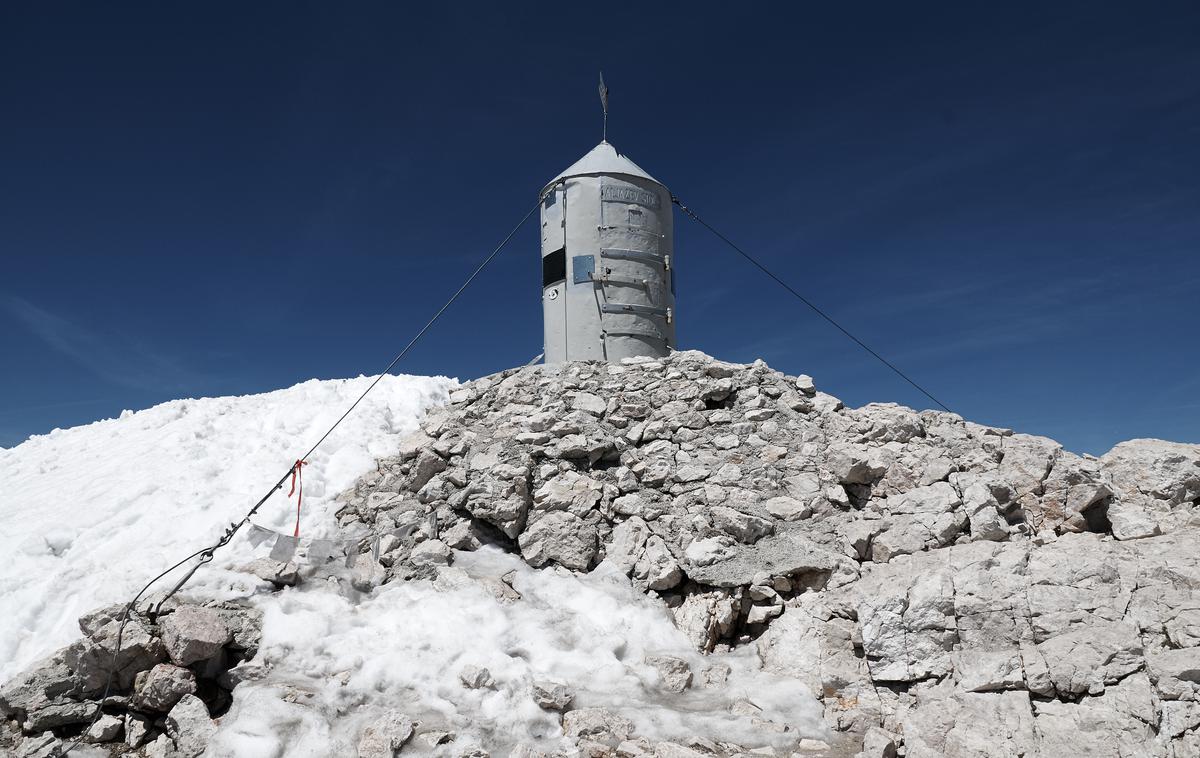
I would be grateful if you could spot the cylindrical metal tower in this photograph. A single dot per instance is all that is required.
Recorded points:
(608, 269)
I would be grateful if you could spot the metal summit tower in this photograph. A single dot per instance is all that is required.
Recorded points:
(608, 278)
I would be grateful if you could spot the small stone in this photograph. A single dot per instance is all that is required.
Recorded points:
(160, 688)
(674, 674)
(726, 442)
(384, 736)
(877, 744)
(430, 553)
(106, 729)
(59, 713)
(137, 729)
(691, 473)
(741, 526)
(588, 403)
(367, 573)
(193, 633)
(278, 573)
(596, 723)
(551, 696)
(787, 508)
(40, 746)
(190, 726)
(836, 495)
(804, 383)
(475, 677)
(435, 737)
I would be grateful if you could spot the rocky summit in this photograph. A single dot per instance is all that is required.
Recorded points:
(943, 588)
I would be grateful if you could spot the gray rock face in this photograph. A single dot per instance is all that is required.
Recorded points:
(59, 713)
(39, 685)
(60, 694)
(89, 659)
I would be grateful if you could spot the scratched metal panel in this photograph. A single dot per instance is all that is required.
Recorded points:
(605, 212)
(582, 268)
(554, 321)
(552, 220)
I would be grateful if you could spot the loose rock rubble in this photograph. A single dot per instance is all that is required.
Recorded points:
(946, 588)
(170, 681)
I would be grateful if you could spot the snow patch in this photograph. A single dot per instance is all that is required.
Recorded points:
(337, 661)
(89, 514)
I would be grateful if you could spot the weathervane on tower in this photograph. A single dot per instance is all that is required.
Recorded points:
(604, 105)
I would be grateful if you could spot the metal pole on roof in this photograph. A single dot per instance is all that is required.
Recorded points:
(604, 105)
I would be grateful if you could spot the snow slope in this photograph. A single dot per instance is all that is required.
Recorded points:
(89, 514)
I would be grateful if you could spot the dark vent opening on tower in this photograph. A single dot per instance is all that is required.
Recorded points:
(554, 267)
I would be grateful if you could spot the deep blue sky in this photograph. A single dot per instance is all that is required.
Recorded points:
(225, 198)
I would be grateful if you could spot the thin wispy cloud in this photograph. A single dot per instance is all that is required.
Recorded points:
(114, 359)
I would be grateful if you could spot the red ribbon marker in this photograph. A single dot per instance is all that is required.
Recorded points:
(297, 471)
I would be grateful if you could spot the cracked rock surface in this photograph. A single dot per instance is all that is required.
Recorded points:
(946, 588)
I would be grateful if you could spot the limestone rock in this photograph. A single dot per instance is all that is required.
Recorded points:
(43, 682)
(562, 538)
(475, 677)
(741, 526)
(430, 553)
(106, 729)
(160, 688)
(943, 587)
(385, 735)
(674, 674)
(877, 744)
(58, 713)
(190, 726)
(278, 573)
(192, 633)
(596, 724)
(551, 696)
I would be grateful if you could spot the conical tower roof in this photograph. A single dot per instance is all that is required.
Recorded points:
(602, 159)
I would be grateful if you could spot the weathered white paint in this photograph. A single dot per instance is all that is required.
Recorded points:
(606, 207)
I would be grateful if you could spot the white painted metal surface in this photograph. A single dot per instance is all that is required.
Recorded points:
(607, 261)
